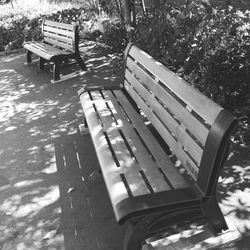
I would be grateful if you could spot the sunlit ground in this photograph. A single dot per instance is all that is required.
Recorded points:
(33, 195)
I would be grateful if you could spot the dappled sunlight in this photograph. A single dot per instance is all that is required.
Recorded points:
(234, 191)
(26, 183)
(34, 114)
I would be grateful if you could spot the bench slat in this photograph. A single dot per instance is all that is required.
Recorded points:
(205, 107)
(160, 156)
(58, 43)
(44, 50)
(196, 128)
(163, 116)
(115, 186)
(63, 39)
(38, 48)
(67, 33)
(61, 25)
(127, 165)
(147, 165)
(166, 135)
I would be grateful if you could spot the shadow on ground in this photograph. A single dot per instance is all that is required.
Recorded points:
(35, 115)
(45, 199)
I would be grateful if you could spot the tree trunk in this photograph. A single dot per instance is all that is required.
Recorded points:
(129, 12)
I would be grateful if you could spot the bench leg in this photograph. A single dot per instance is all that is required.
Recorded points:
(56, 70)
(41, 63)
(28, 56)
(134, 237)
(215, 218)
(138, 231)
(80, 62)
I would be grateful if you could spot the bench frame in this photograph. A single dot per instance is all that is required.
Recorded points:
(60, 44)
(148, 215)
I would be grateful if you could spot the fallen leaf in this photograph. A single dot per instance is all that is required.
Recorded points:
(71, 190)
(50, 235)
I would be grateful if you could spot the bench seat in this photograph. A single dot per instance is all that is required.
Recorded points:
(46, 51)
(133, 162)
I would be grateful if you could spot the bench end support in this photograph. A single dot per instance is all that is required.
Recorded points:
(215, 218)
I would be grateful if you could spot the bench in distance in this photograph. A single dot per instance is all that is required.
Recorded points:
(141, 132)
(60, 43)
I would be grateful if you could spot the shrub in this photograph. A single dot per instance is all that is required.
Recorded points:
(11, 31)
(209, 47)
(115, 36)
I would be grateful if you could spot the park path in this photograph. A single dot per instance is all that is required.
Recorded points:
(46, 201)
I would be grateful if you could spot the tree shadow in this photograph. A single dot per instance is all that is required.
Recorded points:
(34, 113)
(233, 193)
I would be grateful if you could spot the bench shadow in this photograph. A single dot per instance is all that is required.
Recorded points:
(87, 221)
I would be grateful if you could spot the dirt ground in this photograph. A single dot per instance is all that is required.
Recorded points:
(46, 201)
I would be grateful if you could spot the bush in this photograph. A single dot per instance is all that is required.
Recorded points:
(11, 32)
(115, 36)
(209, 47)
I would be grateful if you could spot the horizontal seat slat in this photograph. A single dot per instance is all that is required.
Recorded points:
(116, 188)
(146, 163)
(39, 50)
(177, 181)
(44, 50)
(202, 105)
(196, 128)
(127, 165)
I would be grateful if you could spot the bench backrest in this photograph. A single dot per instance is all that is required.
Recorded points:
(61, 35)
(196, 129)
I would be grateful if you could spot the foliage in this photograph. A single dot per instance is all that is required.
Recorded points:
(115, 36)
(209, 47)
(15, 29)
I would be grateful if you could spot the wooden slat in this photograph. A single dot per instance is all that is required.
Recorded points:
(187, 119)
(64, 39)
(58, 31)
(61, 25)
(58, 43)
(115, 186)
(43, 47)
(145, 162)
(128, 166)
(45, 51)
(166, 135)
(177, 129)
(160, 156)
(37, 50)
(205, 107)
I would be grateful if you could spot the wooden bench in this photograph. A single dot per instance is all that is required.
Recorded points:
(59, 44)
(141, 132)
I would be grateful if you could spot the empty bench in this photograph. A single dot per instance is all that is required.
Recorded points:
(60, 43)
(161, 145)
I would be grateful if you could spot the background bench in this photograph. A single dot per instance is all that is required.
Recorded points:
(161, 145)
(60, 43)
